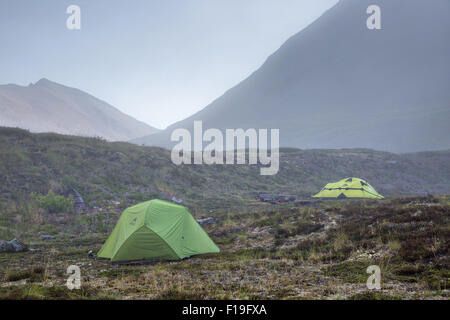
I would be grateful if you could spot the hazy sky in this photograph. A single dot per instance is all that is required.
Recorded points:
(157, 60)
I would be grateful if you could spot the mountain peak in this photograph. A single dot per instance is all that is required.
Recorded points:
(336, 84)
(43, 81)
(47, 106)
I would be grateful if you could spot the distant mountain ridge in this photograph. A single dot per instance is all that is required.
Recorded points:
(47, 106)
(337, 84)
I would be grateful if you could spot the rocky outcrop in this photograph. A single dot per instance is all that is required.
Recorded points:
(208, 220)
(12, 246)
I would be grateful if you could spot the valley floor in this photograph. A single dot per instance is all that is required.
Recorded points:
(267, 252)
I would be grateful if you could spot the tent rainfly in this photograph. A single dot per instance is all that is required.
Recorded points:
(348, 188)
(159, 230)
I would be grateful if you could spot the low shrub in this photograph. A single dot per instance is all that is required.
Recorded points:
(53, 203)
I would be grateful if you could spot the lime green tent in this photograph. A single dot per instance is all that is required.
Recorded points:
(348, 188)
(159, 230)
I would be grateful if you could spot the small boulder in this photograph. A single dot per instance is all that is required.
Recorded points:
(208, 220)
(176, 200)
(4, 246)
(12, 246)
(18, 246)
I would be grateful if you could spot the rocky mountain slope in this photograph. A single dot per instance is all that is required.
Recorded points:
(47, 106)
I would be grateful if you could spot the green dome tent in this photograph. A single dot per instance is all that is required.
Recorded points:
(156, 229)
(348, 188)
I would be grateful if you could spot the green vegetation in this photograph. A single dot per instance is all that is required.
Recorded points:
(274, 252)
(53, 203)
(38, 292)
(267, 251)
(373, 295)
(121, 273)
(35, 275)
(103, 171)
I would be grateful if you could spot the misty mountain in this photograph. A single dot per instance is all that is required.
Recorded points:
(337, 84)
(47, 106)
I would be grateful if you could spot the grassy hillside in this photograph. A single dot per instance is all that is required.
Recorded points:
(267, 251)
(275, 253)
(124, 172)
